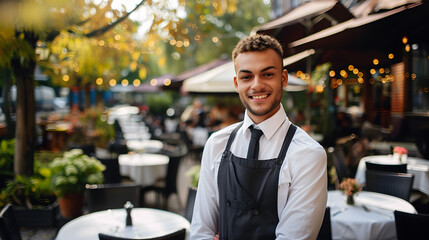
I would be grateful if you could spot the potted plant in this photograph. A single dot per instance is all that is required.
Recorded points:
(70, 173)
(34, 202)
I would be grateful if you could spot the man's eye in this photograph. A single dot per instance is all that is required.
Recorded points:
(268, 74)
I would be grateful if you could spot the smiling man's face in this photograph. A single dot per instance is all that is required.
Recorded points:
(259, 82)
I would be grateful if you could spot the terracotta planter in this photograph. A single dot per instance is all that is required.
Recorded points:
(71, 205)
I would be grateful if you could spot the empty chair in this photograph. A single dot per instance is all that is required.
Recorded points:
(397, 168)
(325, 232)
(168, 185)
(411, 226)
(117, 147)
(9, 228)
(111, 173)
(190, 201)
(339, 160)
(177, 235)
(88, 149)
(111, 196)
(394, 184)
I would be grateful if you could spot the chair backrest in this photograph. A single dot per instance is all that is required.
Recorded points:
(339, 160)
(325, 232)
(111, 173)
(394, 184)
(173, 168)
(397, 168)
(177, 235)
(190, 202)
(111, 196)
(9, 228)
(411, 226)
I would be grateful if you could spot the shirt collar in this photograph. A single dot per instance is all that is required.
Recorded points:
(269, 126)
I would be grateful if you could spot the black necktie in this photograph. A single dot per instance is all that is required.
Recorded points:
(252, 152)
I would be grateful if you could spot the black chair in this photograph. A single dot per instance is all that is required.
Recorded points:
(9, 228)
(190, 201)
(411, 226)
(339, 161)
(111, 173)
(111, 196)
(88, 149)
(396, 168)
(394, 184)
(325, 232)
(166, 186)
(117, 147)
(177, 235)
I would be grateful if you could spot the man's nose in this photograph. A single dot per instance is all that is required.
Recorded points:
(257, 82)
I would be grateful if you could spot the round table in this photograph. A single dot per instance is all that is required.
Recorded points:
(371, 217)
(417, 166)
(147, 223)
(143, 168)
(147, 146)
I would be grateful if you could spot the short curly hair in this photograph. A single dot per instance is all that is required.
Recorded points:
(257, 42)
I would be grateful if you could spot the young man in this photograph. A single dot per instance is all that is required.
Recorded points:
(279, 193)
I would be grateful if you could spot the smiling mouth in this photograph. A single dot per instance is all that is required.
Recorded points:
(259, 96)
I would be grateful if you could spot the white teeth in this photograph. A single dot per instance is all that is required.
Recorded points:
(260, 97)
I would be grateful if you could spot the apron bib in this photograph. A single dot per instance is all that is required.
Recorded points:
(248, 193)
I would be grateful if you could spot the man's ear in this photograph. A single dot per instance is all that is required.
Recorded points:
(285, 78)
(235, 83)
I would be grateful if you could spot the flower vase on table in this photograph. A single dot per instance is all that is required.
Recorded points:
(400, 154)
(350, 186)
(350, 200)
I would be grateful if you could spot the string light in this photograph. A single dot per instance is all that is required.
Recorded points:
(136, 82)
(154, 82)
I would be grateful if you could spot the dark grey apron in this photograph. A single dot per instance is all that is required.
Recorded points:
(248, 193)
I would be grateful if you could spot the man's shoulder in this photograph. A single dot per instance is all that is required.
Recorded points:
(303, 139)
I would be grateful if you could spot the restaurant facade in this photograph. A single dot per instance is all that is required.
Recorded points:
(371, 59)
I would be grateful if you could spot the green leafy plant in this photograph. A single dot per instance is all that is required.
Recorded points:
(194, 173)
(30, 192)
(72, 171)
(7, 149)
(92, 128)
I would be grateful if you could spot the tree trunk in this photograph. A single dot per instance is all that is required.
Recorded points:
(25, 132)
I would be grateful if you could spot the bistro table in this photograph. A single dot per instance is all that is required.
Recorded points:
(371, 217)
(147, 146)
(147, 223)
(417, 166)
(143, 168)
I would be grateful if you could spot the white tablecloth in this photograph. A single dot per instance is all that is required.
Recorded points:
(147, 223)
(144, 168)
(353, 222)
(417, 166)
(147, 146)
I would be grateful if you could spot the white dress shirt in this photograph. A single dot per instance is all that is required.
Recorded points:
(302, 191)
